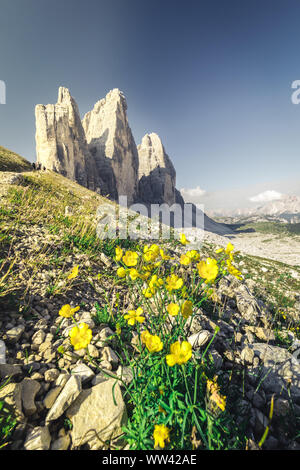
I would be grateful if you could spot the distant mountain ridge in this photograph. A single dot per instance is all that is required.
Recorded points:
(286, 209)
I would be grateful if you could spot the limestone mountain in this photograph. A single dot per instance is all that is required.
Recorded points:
(157, 175)
(112, 145)
(100, 153)
(61, 144)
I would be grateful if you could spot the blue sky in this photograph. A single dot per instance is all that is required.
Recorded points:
(212, 78)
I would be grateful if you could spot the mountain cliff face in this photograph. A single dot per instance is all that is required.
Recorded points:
(112, 145)
(100, 153)
(157, 174)
(60, 141)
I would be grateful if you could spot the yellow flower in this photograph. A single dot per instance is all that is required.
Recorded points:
(208, 269)
(67, 311)
(148, 293)
(174, 282)
(161, 435)
(121, 272)
(183, 239)
(180, 353)
(163, 255)
(194, 255)
(228, 250)
(134, 274)
(144, 335)
(134, 316)
(74, 272)
(130, 258)
(151, 253)
(80, 336)
(119, 253)
(185, 259)
(153, 343)
(234, 271)
(173, 309)
(187, 308)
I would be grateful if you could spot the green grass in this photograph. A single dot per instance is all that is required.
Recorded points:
(274, 228)
(11, 161)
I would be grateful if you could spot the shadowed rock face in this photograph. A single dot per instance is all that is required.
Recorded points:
(112, 145)
(157, 176)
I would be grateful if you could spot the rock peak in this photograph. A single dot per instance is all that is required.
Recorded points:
(64, 95)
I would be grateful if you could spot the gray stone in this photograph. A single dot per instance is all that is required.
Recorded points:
(66, 397)
(51, 375)
(38, 439)
(97, 415)
(247, 355)
(51, 397)
(62, 443)
(9, 370)
(126, 374)
(280, 370)
(11, 395)
(29, 390)
(38, 337)
(110, 356)
(84, 372)
(14, 334)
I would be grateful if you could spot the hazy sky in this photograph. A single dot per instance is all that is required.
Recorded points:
(212, 78)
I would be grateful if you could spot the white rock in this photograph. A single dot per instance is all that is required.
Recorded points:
(97, 415)
(69, 393)
(199, 339)
(109, 355)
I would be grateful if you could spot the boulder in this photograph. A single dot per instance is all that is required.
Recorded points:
(97, 416)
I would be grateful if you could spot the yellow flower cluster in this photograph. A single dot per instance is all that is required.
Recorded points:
(80, 335)
(230, 258)
(171, 294)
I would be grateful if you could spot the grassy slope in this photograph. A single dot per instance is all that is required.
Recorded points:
(11, 161)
